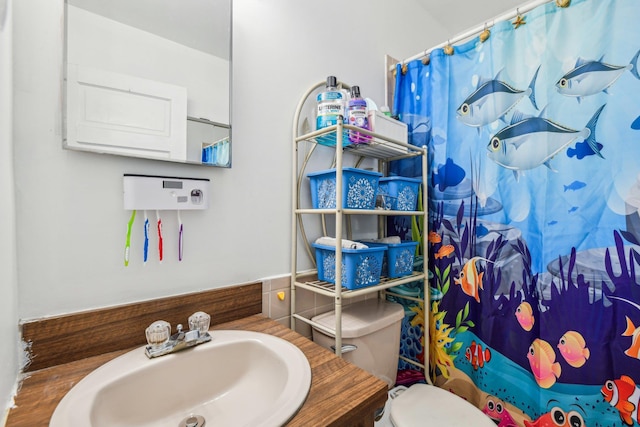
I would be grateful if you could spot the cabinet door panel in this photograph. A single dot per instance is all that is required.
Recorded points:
(120, 114)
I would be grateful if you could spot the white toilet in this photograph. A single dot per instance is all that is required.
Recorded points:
(423, 405)
(371, 330)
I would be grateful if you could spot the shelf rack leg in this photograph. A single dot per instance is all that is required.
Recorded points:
(425, 263)
(339, 218)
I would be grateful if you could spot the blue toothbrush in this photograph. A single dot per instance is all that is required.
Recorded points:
(146, 238)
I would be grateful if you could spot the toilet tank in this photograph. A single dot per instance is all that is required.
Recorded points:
(373, 327)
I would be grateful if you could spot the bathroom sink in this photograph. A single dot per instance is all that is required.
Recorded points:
(239, 378)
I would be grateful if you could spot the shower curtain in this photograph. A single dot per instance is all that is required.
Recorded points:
(534, 215)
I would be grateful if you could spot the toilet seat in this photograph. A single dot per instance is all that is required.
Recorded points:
(427, 405)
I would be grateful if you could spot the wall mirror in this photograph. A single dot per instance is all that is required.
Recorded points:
(149, 78)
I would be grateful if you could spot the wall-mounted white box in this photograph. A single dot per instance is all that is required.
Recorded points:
(151, 192)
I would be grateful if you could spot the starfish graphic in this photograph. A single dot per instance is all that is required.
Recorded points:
(518, 21)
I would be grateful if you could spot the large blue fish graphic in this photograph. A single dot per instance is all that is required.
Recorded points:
(530, 142)
(591, 77)
(492, 100)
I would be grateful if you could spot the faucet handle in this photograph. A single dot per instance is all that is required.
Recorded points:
(158, 333)
(199, 321)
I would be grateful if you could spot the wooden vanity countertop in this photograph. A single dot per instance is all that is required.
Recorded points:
(341, 394)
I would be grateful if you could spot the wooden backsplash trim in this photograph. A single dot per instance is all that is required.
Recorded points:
(62, 339)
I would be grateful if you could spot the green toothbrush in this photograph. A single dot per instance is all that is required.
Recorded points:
(127, 245)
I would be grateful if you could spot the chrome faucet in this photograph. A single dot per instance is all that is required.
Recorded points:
(161, 342)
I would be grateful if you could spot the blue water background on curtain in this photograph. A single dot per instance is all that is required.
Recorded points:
(534, 192)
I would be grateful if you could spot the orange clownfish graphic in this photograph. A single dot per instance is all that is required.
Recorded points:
(477, 356)
(444, 251)
(470, 280)
(623, 394)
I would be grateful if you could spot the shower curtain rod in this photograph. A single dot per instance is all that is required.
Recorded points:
(477, 30)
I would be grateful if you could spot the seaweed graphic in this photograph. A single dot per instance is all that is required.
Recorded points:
(445, 347)
(627, 274)
(417, 234)
(493, 275)
(442, 279)
(463, 323)
(463, 233)
(528, 291)
(622, 282)
(441, 342)
(419, 321)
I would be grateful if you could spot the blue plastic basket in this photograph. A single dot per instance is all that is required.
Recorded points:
(359, 188)
(360, 267)
(403, 192)
(398, 260)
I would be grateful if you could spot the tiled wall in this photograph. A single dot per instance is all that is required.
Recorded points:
(308, 304)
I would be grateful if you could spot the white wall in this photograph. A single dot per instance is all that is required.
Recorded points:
(70, 222)
(8, 279)
(70, 219)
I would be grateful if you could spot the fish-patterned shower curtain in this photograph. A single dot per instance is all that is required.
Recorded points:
(534, 214)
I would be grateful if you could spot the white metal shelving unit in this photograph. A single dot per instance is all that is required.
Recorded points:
(380, 148)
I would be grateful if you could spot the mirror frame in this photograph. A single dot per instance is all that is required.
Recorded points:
(188, 118)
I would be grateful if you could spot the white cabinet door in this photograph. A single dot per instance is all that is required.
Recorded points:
(120, 114)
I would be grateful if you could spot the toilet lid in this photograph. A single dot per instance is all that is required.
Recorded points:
(426, 405)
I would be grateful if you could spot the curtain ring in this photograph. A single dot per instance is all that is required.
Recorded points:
(448, 49)
(404, 69)
(484, 35)
(426, 58)
(563, 3)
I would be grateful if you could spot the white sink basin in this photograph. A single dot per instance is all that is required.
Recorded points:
(240, 378)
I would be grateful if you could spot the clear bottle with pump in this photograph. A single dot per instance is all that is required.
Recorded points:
(357, 115)
(331, 109)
